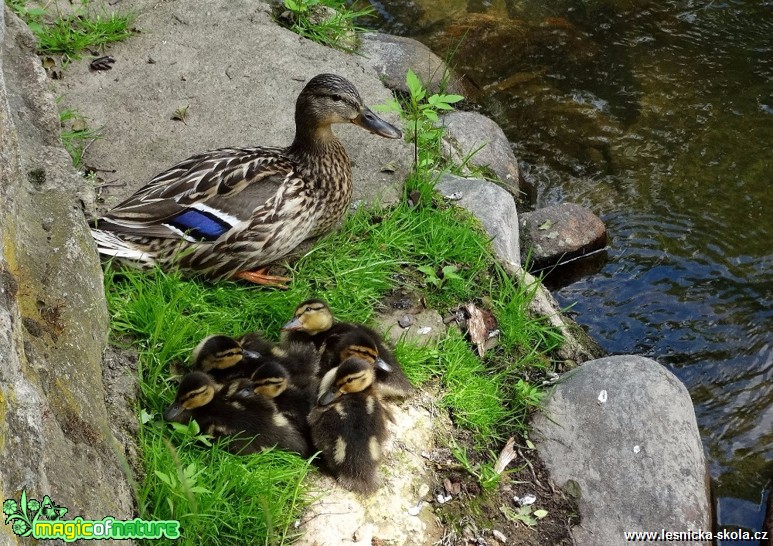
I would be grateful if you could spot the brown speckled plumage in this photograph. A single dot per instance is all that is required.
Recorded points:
(236, 209)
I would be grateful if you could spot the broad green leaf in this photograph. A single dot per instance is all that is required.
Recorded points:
(163, 477)
(414, 84)
(451, 99)
(430, 115)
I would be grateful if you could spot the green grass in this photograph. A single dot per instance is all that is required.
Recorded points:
(354, 268)
(76, 135)
(216, 496)
(70, 35)
(431, 248)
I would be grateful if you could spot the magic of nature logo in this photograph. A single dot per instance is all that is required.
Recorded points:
(42, 519)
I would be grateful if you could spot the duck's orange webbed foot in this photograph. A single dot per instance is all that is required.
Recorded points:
(259, 276)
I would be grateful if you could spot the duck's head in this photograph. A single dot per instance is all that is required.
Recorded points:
(196, 390)
(255, 346)
(360, 344)
(352, 376)
(220, 352)
(311, 316)
(271, 379)
(328, 99)
(240, 389)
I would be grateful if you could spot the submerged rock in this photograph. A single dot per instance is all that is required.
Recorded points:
(559, 234)
(620, 432)
(392, 56)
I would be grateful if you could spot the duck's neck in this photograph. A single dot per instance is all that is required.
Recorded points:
(321, 160)
(320, 155)
(312, 142)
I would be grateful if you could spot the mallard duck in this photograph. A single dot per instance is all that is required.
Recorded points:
(224, 357)
(252, 421)
(313, 322)
(348, 425)
(231, 212)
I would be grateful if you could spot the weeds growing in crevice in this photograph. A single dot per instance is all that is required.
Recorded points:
(329, 22)
(69, 35)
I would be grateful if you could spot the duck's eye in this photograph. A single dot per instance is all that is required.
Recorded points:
(308, 309)
(336, 98)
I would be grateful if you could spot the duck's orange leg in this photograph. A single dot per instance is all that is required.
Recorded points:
(259, 276)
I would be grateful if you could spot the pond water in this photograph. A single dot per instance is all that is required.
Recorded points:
(658, 116)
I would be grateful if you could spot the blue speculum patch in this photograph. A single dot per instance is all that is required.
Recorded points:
(200, 224)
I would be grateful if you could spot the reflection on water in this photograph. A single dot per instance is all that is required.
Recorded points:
(658, 116)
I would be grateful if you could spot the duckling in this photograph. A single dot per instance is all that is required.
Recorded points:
(348, 425)
(313, 322)
(273, 381)
(224, 358)
(253, 421)
(391, 380)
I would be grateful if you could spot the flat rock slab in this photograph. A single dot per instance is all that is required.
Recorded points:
(620, 434)
(492, 205)
(560, 233)
(239, 88)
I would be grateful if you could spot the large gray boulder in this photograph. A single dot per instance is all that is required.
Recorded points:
(238, 90)
(474, 139)
(620, 434)
(55, 434)
(392, 56)
(492, 205)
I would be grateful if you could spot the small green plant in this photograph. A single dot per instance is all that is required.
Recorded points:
(328, 22)
(420, 112)
(33, 16)
(76, 135)
(526, 514)
(448, 273)
(487, 476)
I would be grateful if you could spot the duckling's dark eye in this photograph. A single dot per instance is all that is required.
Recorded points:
(336, 98)
(308, 309)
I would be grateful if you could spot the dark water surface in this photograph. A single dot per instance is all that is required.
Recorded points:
(658, 116)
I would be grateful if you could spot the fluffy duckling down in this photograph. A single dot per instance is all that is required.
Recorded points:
(235, 411)
(313, 322)
(348, 425)
(224, 358)
(273, 381)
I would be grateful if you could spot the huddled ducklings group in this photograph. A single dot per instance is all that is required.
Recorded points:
(320, 388)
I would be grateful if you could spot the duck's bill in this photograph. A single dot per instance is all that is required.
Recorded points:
(294, 324)
(173, 412)
(381, 364)
(370, 121)
(327, 397)
(245, 393)
(252, 355)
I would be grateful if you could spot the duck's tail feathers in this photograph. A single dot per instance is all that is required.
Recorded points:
(111, 245)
